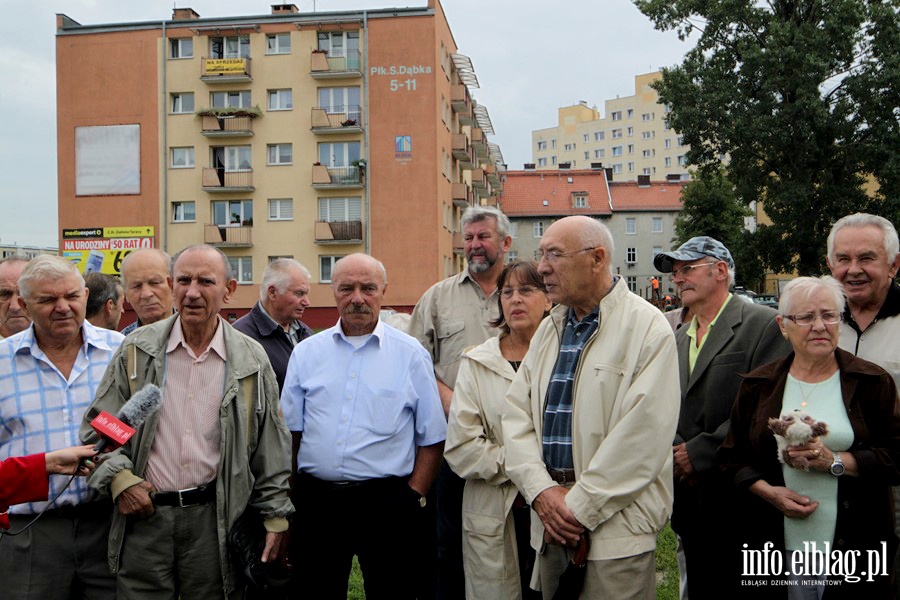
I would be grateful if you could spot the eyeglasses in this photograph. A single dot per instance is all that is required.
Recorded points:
(829, 317)
(554, 255)
(686, 269)
(524, 291)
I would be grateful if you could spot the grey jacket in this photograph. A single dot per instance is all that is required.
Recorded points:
(255, 447)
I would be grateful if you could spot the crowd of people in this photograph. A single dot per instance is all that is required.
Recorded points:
(526, 432)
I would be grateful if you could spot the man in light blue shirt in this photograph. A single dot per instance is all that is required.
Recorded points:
(363, 398)
(48, 376)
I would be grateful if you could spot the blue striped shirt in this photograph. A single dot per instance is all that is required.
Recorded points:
(557, 434)
(41, 411)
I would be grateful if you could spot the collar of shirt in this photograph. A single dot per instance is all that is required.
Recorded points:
(890, 308)
(465, 277)
(176, 338)
(573, 321)
(294, 328)
(693, 348)
(90, 336)
(377, 334)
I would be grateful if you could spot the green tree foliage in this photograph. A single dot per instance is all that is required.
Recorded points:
(802, 97)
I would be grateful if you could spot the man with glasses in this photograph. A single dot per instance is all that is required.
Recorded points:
(725, 337)
(589, 419)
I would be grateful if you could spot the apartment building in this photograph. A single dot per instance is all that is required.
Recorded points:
(631, 137)
(640, 215)
(303, 135)
(29, 252)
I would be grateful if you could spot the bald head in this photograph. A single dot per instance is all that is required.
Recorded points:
(358, 282)
(148, 285)
(13, 318)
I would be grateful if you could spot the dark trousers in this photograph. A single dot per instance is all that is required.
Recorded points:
(376, 520)
(450, 574)
(522, 522)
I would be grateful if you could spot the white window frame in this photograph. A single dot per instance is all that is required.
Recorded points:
(616, 115)
(542, 162)
(630, 226)
(542, 145)
(178, 103)
(599, 153)
(341, 209)
(281, 209)
(631, 255)
(599, 135)
(631, 280)
(242, 267)
(657, 225)
(280, 99)
(617, 150)
(513, 229)
(242, 206)
(631, 167)
(233, 46)
(580, 201)
(616, 134)
(230, 99)
(329, 261)
(511, 256)
(617, 168)
(278, 155)
(179, 209)
(278, 47)
(538, 229)
(177, 50)
(186, 154)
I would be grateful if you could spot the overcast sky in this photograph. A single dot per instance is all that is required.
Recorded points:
(530, 57)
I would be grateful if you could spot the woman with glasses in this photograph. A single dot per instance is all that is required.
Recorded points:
(829, 497)
(497, 556)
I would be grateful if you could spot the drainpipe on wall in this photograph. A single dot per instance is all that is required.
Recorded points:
(368, 242)
(164, 241)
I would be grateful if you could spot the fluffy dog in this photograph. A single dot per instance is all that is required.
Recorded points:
(795, 429)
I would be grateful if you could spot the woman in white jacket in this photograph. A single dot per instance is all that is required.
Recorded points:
(496, 521)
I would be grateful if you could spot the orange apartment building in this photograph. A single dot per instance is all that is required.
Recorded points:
(308, 135)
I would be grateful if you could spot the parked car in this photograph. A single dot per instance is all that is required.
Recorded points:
(766, 300)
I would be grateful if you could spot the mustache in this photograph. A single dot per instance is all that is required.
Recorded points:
(358, 310)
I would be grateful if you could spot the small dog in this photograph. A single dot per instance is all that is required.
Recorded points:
(795, 429)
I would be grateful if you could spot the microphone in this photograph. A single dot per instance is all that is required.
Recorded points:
(115, 431)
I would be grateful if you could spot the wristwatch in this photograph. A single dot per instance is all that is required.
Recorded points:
(837, 467)
(421, 499)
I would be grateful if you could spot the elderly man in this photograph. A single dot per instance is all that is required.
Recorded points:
(589, 419)
(216, 446)
(13, 318)
(864, 255)
(451, 316)
(724, 338)
(274, 321)
(106, 299)
(48, 376)
(148, 286)
(363, 397)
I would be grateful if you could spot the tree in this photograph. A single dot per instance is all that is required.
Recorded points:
(711, 208)
(802, 97)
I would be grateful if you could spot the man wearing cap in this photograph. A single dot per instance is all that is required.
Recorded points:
(726, 336)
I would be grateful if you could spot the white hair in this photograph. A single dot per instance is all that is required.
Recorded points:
(891, 243)
(278, 273)
(46, 267)
(802, 288)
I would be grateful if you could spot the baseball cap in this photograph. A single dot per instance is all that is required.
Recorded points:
(693, 249)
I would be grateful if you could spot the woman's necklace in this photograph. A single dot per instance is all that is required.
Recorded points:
(804, 403)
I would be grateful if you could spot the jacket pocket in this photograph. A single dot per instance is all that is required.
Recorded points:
(485, 555)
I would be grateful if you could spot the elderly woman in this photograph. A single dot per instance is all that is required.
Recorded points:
(496, 553)
(830, 493)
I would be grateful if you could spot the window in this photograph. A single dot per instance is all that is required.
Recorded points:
(542, 162)
(511, 256)
(552, 160)
(631, 167)
(279, 43)
(587, 155)
(645, 171)
(630, 113)
(280, 100)
(632, 283)
(181, 48)
(346, 101)
(599, 153)
(553, 144)
(617, 115)
(242, 266)
(236, 46)
(682, 160)
(681, 140)
(184, 212)
(598, 136)
(648, 153)
(630, 226)
(616, 134)
(617, 151)
(648, 135)
(239, 99)
(579, 201)
(630, 148)
(336, 42)
(631, 255)
(648, 116)
(630, 131)
(232, 213)
(538, 229)
(281, 209)
(340, 209)
(339, 154)
(279, 154)
(542, 145)
(569, 147)
(617, 168)
(657, 250)
(667, 162)
(182, 158)
(657, 225)
(326, 267)
(514, 229)
(231, 159)
(668, 143)
(182, 103)
(587, 138)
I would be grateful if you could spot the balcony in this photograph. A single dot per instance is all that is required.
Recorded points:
(225, 70)
(490, 201)
(226, 126)
(332, 65)
(234, 236)
(492, 175)
(479, 143)
(479, 181)
(461, 150)
(217, 179)
(339, 232)
(461, 104)
(462, 197)
(459, 247)
(336, 178)
(328, 120)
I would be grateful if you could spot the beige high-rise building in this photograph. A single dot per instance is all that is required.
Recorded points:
(631, 137)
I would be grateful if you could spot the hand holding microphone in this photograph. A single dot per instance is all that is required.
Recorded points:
(116, 431)
(71, 460)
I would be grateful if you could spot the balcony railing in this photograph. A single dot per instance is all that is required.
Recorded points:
(337, 119)
(339, 232)
(224, 70)
(226, 126)
(461, 150)
(228, 235)
(217, 179)
(479, 143)
(462, 197)
(325, 65)
(479, 181)
(461, 103)
(337, 177)
(459, 246)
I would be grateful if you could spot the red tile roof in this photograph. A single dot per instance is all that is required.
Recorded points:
(534, 193)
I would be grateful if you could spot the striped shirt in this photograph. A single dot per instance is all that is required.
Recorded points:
(186, 447)
(557, 435)
(41, 411)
